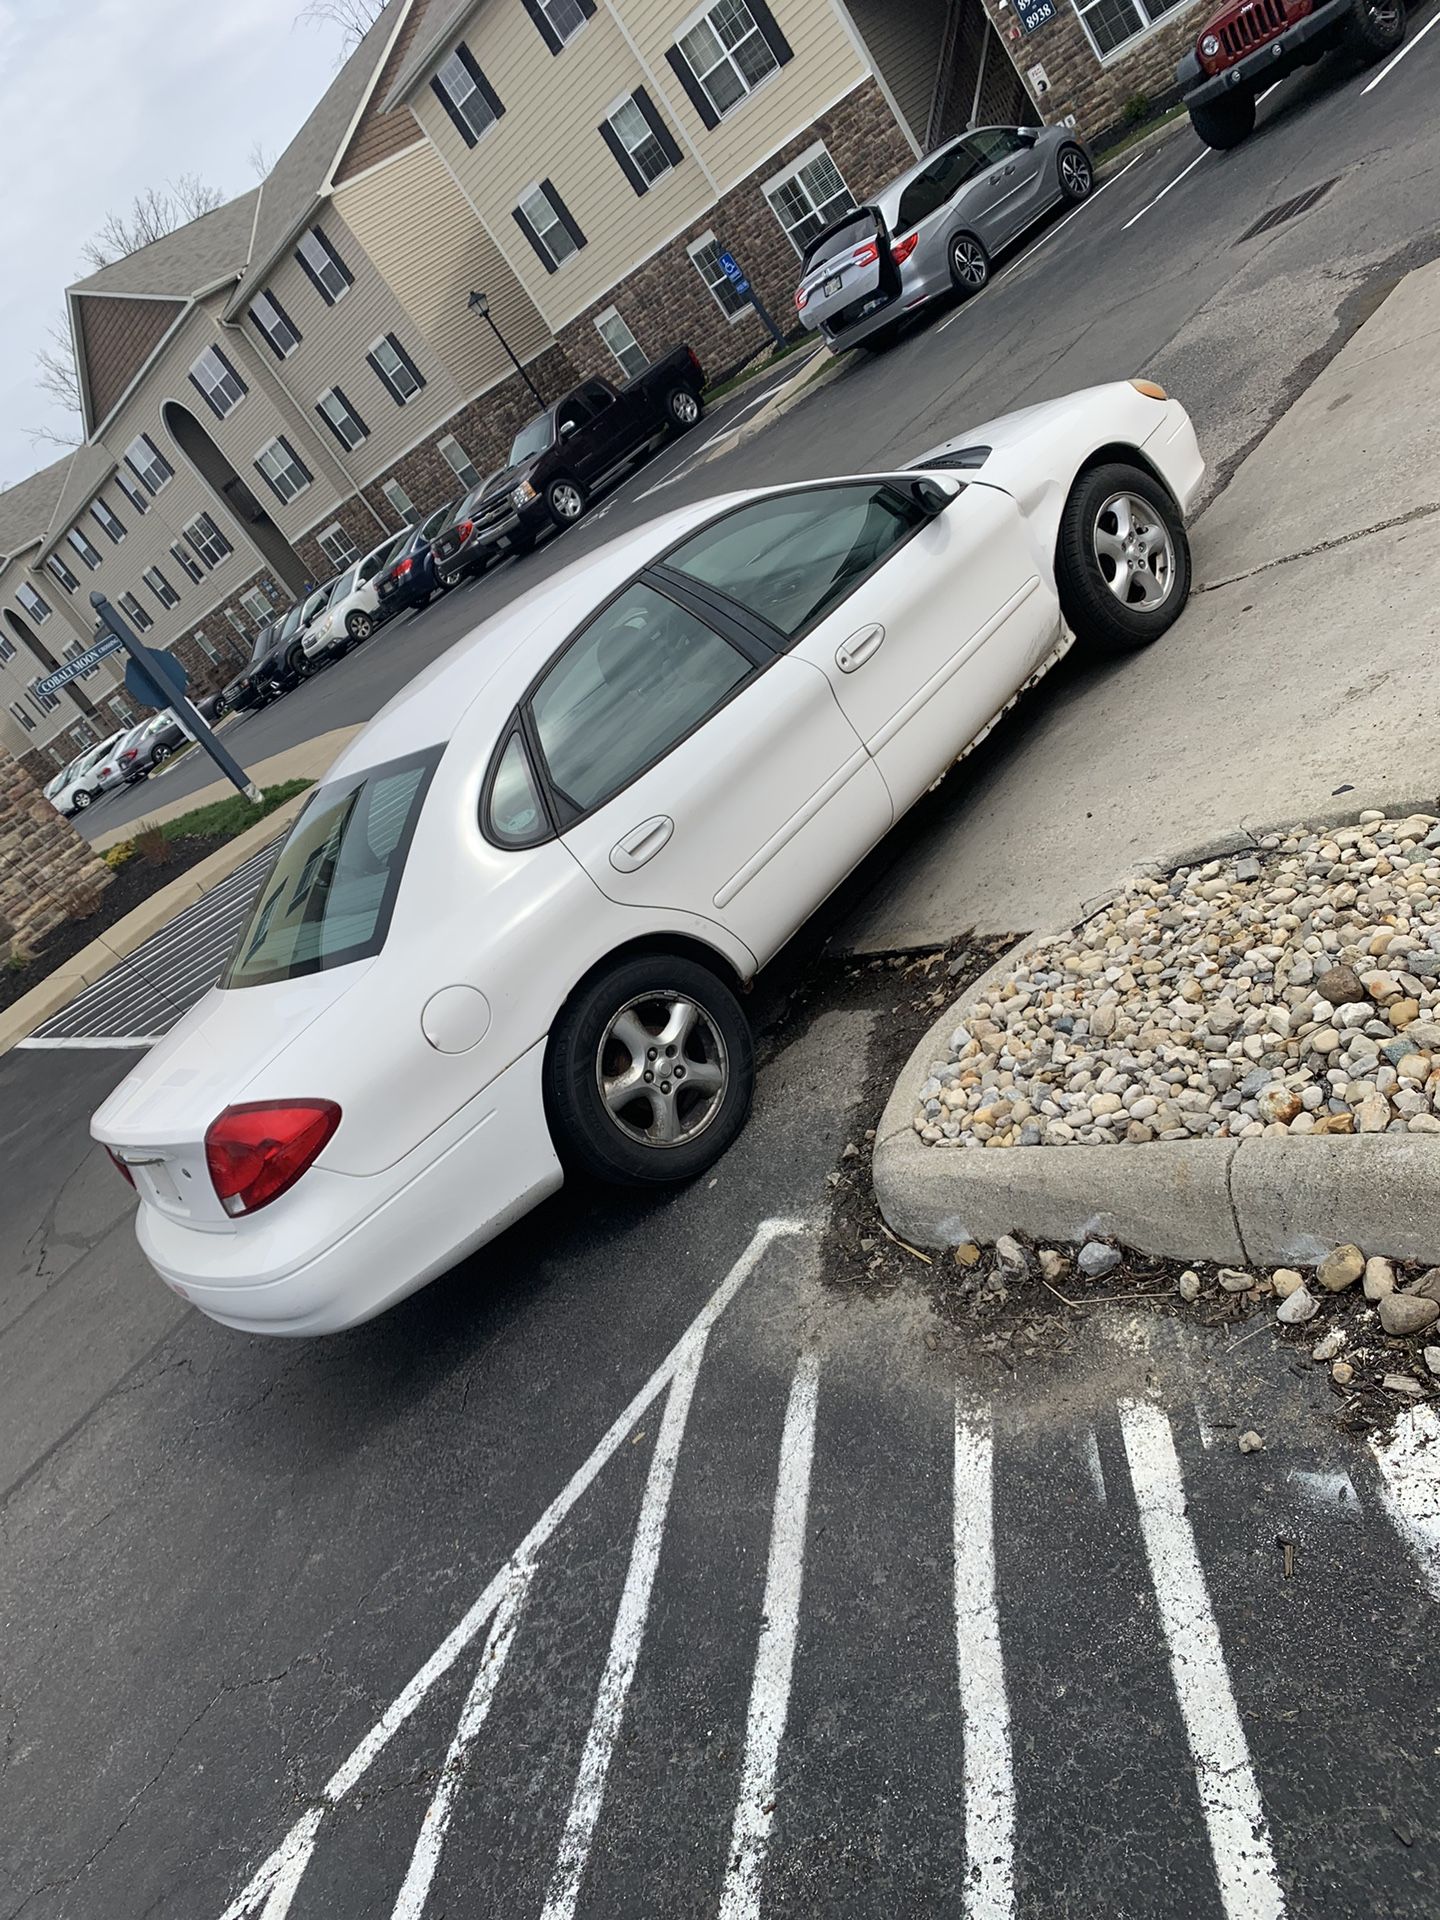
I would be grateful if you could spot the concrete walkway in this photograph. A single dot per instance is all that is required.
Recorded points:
(1299, 683)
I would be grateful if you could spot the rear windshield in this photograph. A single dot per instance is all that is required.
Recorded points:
(330, 894)
(850, 233)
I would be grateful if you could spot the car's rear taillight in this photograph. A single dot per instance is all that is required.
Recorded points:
(802, 299)
(867, 253)
(404, 566)
(120, 1166)
(129, 754)
(902, 249)
(258, 1150)
(465, 529)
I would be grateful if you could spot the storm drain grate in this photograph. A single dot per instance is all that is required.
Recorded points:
(1287, 210)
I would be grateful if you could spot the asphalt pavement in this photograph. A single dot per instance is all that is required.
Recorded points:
(637, 1568)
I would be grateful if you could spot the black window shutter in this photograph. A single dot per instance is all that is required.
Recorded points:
(546, 31)
(314, 279)
(699, 99)
(622, 159)
(406, 361)
(382, 376)
(351, 410)
(283, 315)
(461, 125)
(587, 7)
(231, 371)
(547, 187)
(206, 395)
(349, 277)
(265, 333)
(530, 234)
(296, 458)
(269, 482)
(482, 85)
(670, 146)
(770, 28)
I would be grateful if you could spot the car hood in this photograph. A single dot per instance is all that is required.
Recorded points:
(508, 481)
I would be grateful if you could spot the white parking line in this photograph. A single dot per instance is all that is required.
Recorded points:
(1229, 1796)
(1395, 58)
(1409, 1463)
(989, 1891)
(775, 1655)
(1204, 154)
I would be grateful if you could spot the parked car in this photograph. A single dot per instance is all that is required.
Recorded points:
(351, 611)
(144, 748)
(509, 932)
(475, 533)
(245, 692)
(933, 233)
(564, 455)
(212, 708)
(1249, 44)
(79, 786)
(409, 578)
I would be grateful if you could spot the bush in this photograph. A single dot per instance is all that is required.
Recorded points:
(151, 846)
(117, 855)
(1135, 110)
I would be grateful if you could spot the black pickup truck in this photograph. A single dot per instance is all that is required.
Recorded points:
(564, 455)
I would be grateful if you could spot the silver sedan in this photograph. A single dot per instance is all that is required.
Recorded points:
(935, 230)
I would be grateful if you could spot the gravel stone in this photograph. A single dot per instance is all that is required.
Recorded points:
(1297, 1307)
(1340, 1268)
(1285, 1281)
(1406, 1313)
(1188, 1286)
(1234, 1281)
(1096, 1258)
(1379, 1278)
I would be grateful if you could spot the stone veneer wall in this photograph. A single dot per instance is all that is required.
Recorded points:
(43, 861)
(1097, 95)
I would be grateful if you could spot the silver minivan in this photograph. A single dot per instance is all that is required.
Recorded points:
(935, 230)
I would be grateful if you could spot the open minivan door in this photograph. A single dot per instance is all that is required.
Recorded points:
(847, 272)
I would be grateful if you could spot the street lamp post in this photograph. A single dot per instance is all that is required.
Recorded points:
(479, 303)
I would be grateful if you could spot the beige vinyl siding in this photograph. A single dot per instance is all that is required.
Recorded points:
(553, 108)
(825, 67)
(422, 234)
(17, 673)
(334, 343)
(903, 38)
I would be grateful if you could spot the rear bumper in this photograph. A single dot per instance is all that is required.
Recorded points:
(339, 1249)
(480, 548)
(1270, 62)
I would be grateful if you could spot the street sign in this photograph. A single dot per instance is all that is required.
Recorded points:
(155, 679)
(733, 271)
(1034, 13)
(82, 663)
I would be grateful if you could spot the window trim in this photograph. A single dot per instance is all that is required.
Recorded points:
(102, 514)
(613, 313)
(625, 156)
(35, 619)
(317, 234)
(695, 90)
(356, 556)
(546, 29)
(285, 499)
(338, 393)
(159, 464)
(405, 515)
(80, 545)
(61, 573)
(791, 171)
(133, 491)
(549, 827)
(456, 109)
(22, 719)
(187, 563)
(694, 247)
(1152, 25)
(449, 439)
(563, 216)
(136, 612)
(394, 343)
(208, 394)
(280, 353)
(188, 533)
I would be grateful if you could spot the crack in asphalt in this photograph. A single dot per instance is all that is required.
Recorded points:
(1322, 546)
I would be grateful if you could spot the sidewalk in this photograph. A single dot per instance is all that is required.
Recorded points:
(1299, 683)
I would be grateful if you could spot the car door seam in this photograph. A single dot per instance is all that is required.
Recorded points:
(903, 716)
(797, 822)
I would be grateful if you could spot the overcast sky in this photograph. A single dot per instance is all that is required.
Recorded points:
(100, 99)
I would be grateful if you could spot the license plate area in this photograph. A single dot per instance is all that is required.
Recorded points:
(831, 286)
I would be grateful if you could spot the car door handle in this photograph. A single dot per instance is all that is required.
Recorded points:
(1006, 173)
(859, 648)
(642, 843)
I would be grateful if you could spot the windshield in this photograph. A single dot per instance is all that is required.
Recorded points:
(331, 892)
(291, 621)
(262, 641)
(849, 233)
(537, 437)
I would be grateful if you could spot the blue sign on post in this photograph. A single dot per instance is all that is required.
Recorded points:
(155, 679)
(82, 663)
(732, 270)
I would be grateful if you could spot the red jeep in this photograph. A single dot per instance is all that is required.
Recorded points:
(1247, 44)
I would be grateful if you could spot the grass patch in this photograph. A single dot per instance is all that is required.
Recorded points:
(1111, 152)
(754, 369)
(223, 819)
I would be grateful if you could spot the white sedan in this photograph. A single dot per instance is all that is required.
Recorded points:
(352, 612)
(508, 935)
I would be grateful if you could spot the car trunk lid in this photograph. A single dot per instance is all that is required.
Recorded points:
(847, 269)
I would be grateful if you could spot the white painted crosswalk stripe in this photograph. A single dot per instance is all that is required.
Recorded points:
(989, 1892)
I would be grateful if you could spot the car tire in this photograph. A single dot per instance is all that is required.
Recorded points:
(1077, 176)
(359, 626)
(1375, 27)
(81, 799)
(565, 501)
(595, 1044)
(451, 578)
(1113, 604)
(1225, 122)
(969, 265)
(682, 408)
(158, 753)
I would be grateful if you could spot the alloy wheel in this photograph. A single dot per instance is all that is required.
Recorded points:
(1385, 15)
(565, 498)
(361, 626)
(158, 753)
(82, 800)
(684, 407)
(1134, 552)
(1075, 172)
(968, 258)
(662, 1069)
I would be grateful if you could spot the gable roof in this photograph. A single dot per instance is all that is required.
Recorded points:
(89, 468)
(443, 21)
(114, 339)
(198, 255)
(26, 508)
(382, 131)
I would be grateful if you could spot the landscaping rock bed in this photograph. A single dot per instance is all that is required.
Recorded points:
(1290, 991)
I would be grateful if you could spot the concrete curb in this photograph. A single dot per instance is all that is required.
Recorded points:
(1263, 1201)
(117, 943)
(802, 383)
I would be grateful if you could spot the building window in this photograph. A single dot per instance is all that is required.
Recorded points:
(38, 609)
(78, 544)
(217, 382)
(21, 717)
(705, 252)
(74, 649)
(559, 20)
(640, 141)
(725, 55)
(160, 587)
(282, 469)
(147, 463)
(83, 735)
(207, 540)
(118, 708)
(7, 648)
(135, 613)
(544, 219)
(279, 331)
(133, 492)
(339, 549)
(458, 461)
(62, 573)
(107, 521)
(395, 367)
(399, 499)
(186, 562)
(621, 342)
(1109, 24)
(327, 272)
(237, 621)
(808, 197)
(207, 647)
(44, 702)
(466, 95)
(342, 419)
(256, 605)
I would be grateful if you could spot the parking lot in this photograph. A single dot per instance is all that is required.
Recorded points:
(643, 1564)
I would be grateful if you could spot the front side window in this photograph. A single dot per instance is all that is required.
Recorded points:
(727, 54)
(217, 382)
(339, 549)
(282, 469)
(110, 524)
(135, 613)
(186, 562)
(396, 369)
(458, 461)
(466, 95)
(330, 895)
(807, 199)
(990, 145)
(793, 557)
(147, 463)
(326, 271)
(640, 141)
(545, 221)
(1110, 23)
(629, 355)
(207, 540)
(280, 333)
(705, 253)
(160, 587)
(78, 544)
(628, 689)
(62, 573)
(342, 419)
(38, 609)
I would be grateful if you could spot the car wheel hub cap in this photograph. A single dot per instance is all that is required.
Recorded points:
(969, 265)
(568, 502)
(662, 1070)
(1077, 174)
(685, 408)
(1134, 551)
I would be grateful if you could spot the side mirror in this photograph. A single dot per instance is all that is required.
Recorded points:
(568, 427)
(935, 495)
(1027, 136)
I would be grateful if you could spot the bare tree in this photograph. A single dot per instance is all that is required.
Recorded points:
(151, 215)
(260, 161)
(354, 18)
(58, 380)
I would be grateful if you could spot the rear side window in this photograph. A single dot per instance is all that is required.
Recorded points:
(330, 895)
(851, 233)
(794, 556)
(514, 814)
(940, 181)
